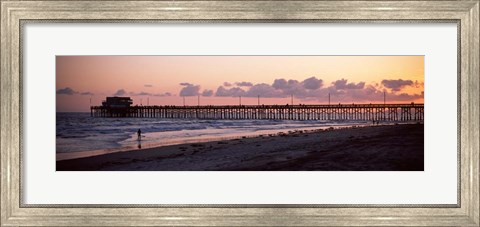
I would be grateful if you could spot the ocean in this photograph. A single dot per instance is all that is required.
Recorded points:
(80, 135)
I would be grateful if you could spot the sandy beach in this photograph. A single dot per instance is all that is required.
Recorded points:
(373, 148)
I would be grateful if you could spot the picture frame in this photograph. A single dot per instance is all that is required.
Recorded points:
(464, 13)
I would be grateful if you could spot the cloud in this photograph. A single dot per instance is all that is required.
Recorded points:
(405, 97)
(263, 90)
(189, 89)
(70, 91)
(418, 84)
(86, 93)
(289, 87)
(313, 89)
(312, 83)
(66, 91)
(229, 92)
(244, 84)
(166, 94)
(120, 92)
(207, 93)
(279, 88)
(342, 84)
(396, 85)
(283, 84)
(280, 84)
(142, 93)
(148, 85)
(369, 94)
(310, 88)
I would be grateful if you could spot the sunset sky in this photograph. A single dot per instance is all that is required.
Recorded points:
(220, 80)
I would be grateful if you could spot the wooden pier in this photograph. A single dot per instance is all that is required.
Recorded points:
(367, 112)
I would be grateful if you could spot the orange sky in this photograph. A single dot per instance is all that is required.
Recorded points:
(157, 79)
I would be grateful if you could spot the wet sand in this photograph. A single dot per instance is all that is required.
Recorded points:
(373, 148)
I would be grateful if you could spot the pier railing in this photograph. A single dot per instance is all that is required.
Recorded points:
(379, 112)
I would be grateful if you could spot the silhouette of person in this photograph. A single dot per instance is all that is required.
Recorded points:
(139, 134)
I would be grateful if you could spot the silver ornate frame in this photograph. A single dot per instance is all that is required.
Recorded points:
(15, 13)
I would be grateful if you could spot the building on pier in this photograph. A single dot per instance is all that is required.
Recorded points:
(117, 102)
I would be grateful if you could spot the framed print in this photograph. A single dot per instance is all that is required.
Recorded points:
(231, 119)
(276, 113)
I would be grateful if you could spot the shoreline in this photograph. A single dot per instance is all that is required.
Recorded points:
(134, 144)
(351, 148)
(142, 145)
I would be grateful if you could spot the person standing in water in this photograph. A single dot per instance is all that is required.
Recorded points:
(139, 134)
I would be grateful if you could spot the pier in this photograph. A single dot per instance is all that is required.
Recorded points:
(367, 112)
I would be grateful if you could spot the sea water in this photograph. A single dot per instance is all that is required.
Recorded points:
(80, 133)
